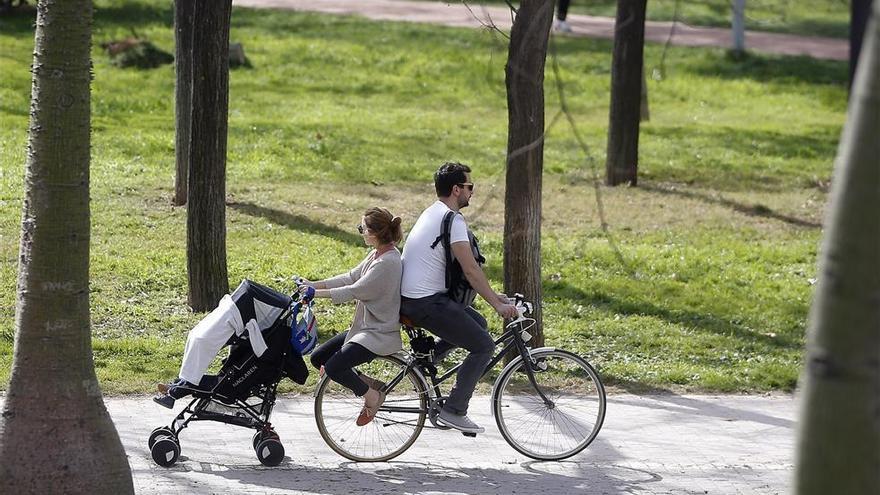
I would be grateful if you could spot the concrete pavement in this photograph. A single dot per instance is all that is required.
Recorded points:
(664, 444)
(477, 15)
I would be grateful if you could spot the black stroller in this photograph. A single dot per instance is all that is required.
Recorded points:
(243, 392)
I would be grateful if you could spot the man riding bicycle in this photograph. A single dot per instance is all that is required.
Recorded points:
(425, 299)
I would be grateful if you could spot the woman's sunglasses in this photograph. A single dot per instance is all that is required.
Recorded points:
(361, 229)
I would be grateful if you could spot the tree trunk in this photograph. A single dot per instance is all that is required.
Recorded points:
(184, 11)
(738, 26)
(525, 153)
(206, 210)
(622, 161)
(644, 112)
(839, 437)
(859, 12)
(55, 433)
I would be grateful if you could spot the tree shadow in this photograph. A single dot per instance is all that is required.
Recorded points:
(773, 68)
(19, 20)
(733, 168)
(418, 477)
(704, 406)
(705, 322)
(298, 222)
(753, 210)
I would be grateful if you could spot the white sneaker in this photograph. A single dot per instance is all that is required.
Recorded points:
(562, 27)
(458, 421)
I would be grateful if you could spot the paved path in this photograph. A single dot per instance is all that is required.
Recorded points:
(457, 14)
(649, 445)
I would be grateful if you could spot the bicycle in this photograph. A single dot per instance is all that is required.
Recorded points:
(548, 403)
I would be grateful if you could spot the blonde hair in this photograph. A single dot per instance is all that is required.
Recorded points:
(384, 225)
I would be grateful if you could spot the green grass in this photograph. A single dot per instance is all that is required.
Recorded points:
(717, 248)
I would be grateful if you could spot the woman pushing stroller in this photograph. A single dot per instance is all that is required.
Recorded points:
(375, 329)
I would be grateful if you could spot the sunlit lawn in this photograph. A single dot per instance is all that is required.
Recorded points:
(717, 247)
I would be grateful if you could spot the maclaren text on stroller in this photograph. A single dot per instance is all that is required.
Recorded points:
(243, 392)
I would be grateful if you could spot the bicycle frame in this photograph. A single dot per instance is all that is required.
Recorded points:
(509, 340)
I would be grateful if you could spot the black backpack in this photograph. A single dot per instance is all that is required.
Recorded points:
(458, 288)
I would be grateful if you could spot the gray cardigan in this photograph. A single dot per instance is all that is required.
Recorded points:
(375, 284)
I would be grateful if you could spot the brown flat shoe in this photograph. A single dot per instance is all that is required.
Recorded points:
(368, 412)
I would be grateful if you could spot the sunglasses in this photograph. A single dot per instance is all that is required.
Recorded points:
(361, 229)
(469, 185)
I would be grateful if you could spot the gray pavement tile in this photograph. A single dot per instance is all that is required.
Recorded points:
(648, 445)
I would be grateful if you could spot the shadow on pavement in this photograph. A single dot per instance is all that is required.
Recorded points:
(413, 477)
(709, 408)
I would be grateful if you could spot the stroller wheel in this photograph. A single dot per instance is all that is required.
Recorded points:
(261, 435)
(162, 430)
(270, 452)
(165, 451)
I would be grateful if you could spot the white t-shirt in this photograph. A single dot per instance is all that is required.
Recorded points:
(424, 269)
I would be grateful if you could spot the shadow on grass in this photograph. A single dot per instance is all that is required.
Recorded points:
(754, 210)
(297, 222)
(704, 322)
(773, 68)
(19, 20)
(747, 158)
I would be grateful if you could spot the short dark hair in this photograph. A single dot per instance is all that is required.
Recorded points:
(448, 175)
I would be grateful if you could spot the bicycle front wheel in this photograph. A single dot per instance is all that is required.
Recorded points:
(561, 423)
(394, 429)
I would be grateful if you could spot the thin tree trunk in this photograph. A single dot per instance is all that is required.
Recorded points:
(644, 111)
(839, 437)
(206, 210)
(622, 161)
(859, 12)
(55, 433)
(525, 153)
(184, 10)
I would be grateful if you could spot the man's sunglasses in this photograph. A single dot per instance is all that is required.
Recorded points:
(469, 185)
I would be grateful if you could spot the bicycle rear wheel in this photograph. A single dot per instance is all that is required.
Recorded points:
(563, 425)
(394, 429)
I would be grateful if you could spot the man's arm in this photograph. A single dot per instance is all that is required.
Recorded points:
(476, 277)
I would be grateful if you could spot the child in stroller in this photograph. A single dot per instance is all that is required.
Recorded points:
(268, 332)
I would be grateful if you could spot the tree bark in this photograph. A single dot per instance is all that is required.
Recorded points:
(55, 433)
(622, 161)
(644, 111)
(859, 12)
(525, 153)
(839, 438)
(184, 10)
(206, 210)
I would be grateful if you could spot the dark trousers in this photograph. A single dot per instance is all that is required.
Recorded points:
(338, 359)
(562, 9)
(462, 327)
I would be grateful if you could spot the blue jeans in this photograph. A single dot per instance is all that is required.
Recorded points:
(462, 327)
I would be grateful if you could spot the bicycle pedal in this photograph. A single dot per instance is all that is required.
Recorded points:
(469, 434)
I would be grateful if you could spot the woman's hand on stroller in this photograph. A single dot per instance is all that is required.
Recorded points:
(305, 289)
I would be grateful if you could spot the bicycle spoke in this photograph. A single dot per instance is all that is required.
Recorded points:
(560, 428)
(396, 425)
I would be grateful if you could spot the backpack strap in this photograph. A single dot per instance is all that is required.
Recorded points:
(445, 237)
